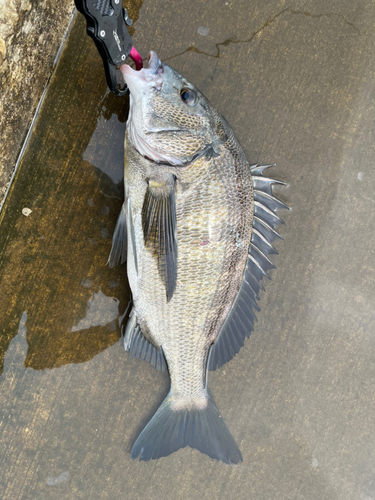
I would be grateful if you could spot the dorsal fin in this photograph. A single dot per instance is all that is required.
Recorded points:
(240, 320)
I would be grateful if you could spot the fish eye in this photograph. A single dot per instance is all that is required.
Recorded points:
(189, 97)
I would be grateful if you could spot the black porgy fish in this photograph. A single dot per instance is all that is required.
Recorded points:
(196, 229)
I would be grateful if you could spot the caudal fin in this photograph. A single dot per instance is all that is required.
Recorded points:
(170, 430)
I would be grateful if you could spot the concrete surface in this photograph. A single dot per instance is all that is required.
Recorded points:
(296, 81)
(30, 35)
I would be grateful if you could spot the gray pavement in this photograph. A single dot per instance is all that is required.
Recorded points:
(296, 82)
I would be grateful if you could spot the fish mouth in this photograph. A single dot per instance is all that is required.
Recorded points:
(152, 76)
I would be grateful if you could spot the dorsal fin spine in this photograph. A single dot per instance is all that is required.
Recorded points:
(256, 263)
(270, 212)
(262, 254)
(267, 179)
(279, 203)
(265, 241)
(261, 221)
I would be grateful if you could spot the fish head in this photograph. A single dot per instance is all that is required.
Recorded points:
(170, 121)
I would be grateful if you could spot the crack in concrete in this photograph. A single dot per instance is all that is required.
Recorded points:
(267, 23)
(368, 198)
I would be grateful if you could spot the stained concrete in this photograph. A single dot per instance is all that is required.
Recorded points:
(296, 82)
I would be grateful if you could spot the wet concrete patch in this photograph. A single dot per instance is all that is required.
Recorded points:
(49, 258)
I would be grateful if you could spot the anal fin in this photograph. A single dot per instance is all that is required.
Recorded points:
(139, 347)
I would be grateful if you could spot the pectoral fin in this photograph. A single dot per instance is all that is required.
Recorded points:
(133, 245)
(119, 241)
(160, 231)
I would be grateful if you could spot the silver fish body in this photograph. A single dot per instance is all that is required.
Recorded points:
(187, 227)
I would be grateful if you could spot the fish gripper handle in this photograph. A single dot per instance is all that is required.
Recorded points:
(107, 23)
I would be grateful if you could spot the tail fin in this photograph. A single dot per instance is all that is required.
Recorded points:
(170, 430)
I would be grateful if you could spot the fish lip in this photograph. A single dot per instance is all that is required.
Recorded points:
(154, 64)
(129, 73)
(152, 76)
